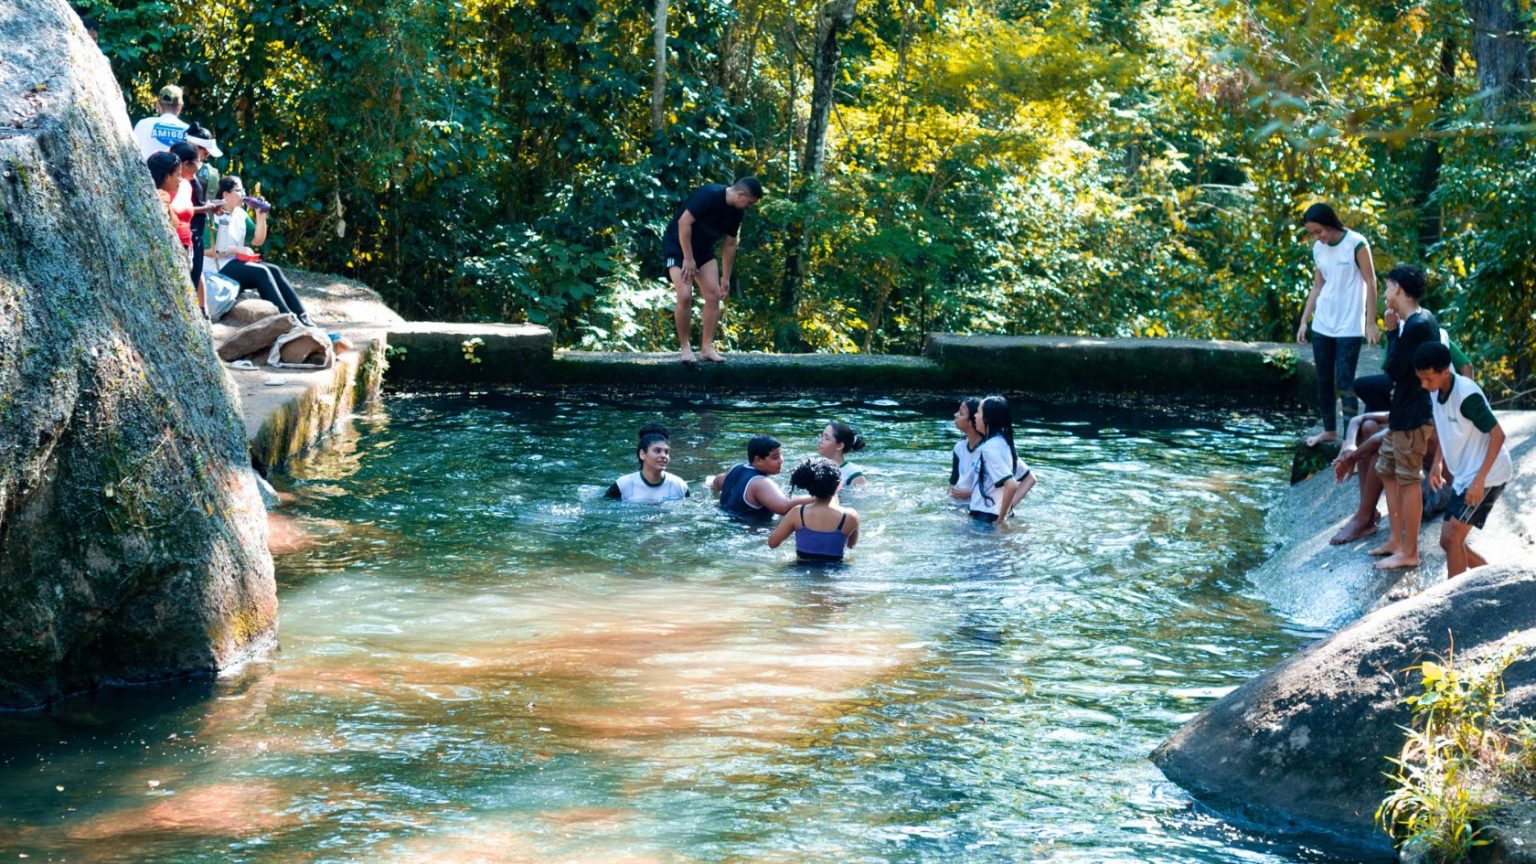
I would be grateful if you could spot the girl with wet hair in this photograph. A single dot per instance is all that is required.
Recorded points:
(997, 479)
(963, 459)
(836, 441)
(824, 528)
(652, 484)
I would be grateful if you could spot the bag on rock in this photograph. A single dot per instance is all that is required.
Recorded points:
(256, 338)
(302, 348)
(220, 295)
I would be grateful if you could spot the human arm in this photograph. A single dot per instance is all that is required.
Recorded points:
(727, 258)
(787, 525)
(614, 493)
(717, 482)
(1007, 490)
(685, 240)
(1022, 489)
(853, 528)
(261, 229)
(1477, 490)
(1306, 313)
(1350, 456)
(1368, 277)
(765, 493)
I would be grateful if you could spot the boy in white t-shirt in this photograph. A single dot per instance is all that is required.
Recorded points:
(157, 134)
(1471, 446)
(652, 484)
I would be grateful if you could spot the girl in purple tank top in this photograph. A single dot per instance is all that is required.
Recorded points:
(823, 528)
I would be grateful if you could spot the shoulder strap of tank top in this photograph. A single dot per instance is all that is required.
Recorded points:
(840, 522)
(802, 517)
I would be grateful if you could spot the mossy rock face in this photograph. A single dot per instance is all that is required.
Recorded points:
(132, 535)
(448, 353)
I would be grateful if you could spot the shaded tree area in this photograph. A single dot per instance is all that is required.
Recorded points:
(1098, 167)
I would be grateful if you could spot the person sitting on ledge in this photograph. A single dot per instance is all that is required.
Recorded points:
(652, 484)
(1472, 444)
(747, 492)
(235, 236)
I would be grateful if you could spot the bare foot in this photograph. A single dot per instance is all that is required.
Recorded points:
(1396, 561)
(686, 355)
(711, 355)
(1353, 531)
(1321, 437)
(1387, 548)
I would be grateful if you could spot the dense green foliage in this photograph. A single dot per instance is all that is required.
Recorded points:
(1111, 167)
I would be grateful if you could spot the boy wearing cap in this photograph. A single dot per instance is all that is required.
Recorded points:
(157, 134)
(1471, 445)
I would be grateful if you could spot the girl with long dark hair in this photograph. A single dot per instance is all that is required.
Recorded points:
(993, 482)
(236, 234)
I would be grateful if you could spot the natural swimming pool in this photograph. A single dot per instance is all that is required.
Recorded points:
(483, 659)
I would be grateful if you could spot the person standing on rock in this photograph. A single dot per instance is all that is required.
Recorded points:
(711, 215)
(157, 134)
(1410, 423)
(1341, 309)
(1471, 445)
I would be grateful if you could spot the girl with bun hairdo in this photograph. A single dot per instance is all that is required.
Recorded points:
(824, 528)
(834, 444)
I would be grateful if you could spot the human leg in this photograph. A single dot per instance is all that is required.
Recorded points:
(1324, 358)
(256, 279)
(1374, 392)
(285, 288)
(708, 279)
(682, 312)
(1409, 448)
(1347, 358)
(1453, 539)
(1386, 473)
(1366, 518)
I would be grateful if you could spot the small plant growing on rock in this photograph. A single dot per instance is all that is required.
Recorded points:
(470, 346)
(1283, 360)
(1457, 752)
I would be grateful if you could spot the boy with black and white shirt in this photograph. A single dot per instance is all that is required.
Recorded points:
(1471, 446)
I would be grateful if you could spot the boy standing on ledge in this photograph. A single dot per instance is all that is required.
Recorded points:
(713, 212)
(1400, 462)
(1471, 445)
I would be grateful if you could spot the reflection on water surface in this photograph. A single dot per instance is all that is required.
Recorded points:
(483, 660)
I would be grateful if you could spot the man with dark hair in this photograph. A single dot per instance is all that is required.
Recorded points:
(1471, 445)
(1400, 461)
(712, 213)
(157, 134)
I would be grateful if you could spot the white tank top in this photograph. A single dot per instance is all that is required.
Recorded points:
(1464, 445)
(1341, 304)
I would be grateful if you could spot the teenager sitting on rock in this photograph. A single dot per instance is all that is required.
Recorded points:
(236, 234)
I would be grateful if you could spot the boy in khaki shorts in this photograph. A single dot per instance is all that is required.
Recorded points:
(1410, 422)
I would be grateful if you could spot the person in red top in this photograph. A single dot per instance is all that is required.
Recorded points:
(165, 170)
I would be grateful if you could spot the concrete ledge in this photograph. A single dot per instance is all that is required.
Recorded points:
(1181, 366)
(436, 352)
(283, 421)
(746, 372)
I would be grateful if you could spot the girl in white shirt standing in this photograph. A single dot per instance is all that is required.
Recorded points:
(992, 484)
(1342, 311)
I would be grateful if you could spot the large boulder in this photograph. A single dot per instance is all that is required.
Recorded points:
(1302, 749)
(132, 535)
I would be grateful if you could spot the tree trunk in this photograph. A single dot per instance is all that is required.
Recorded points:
(659, 81)
(132, 535)
(833, 18)
(1429, 165)
(1502, 49)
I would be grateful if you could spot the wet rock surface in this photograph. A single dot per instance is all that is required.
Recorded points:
(132, 536)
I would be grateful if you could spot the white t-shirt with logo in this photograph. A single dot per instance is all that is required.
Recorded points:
(634, 488)
(157, 134)
(992, 465)
(1463, 444)
(1340, 310)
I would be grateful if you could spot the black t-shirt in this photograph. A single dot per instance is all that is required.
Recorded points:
(713, 218)
(198, 219)
(1410, 402)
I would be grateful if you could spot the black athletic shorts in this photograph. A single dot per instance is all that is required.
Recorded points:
(677, 261)
(1466, 514)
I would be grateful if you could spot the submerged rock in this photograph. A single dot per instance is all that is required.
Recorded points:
(132, 536)
(1302, 748)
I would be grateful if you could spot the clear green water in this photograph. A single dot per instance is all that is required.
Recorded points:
(483, 660)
